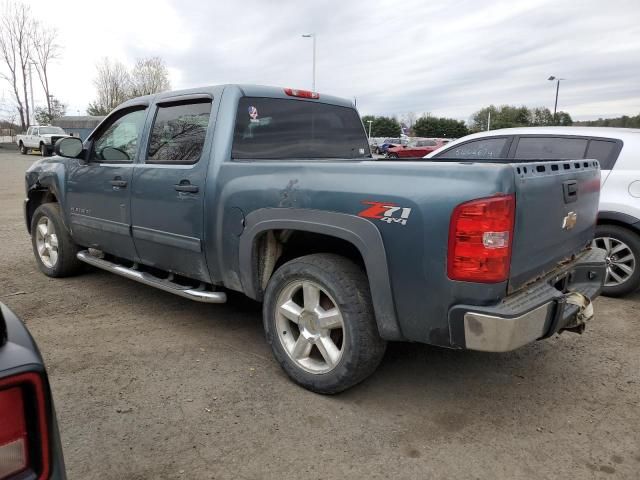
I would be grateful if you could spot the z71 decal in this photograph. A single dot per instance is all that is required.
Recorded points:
(386, 212)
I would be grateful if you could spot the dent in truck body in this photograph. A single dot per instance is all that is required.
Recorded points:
(42, 177)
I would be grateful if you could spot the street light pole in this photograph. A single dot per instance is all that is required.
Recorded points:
(313, 36)
(369, 122)
(555, 106)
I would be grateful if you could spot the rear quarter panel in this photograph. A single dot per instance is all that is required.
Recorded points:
(416, 252)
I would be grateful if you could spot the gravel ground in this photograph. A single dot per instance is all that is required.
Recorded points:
(149, 385)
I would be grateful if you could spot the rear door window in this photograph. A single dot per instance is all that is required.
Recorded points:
(605, 151)
(178, 133)
(486, 148)
(281, 129)
(550, 148)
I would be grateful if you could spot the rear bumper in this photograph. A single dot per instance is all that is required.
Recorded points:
(559, 301)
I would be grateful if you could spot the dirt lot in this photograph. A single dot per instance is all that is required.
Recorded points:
(148, 385)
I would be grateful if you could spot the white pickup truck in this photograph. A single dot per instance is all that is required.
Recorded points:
(41, 138)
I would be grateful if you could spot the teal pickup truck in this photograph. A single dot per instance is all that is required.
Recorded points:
(273, 192)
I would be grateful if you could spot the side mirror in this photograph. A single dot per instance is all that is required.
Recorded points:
(69, 147)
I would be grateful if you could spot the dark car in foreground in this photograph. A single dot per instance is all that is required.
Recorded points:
(30, 445)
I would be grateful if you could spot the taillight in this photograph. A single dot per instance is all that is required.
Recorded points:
(24, 440)
(480, 238)
(292, 92)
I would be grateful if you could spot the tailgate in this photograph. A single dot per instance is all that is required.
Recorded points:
(556, 211)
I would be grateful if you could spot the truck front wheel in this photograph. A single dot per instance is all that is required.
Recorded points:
(23, 149)
(319, 321)
(53, 247)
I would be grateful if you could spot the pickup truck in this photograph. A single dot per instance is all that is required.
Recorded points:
(42, 138)
(274, 193)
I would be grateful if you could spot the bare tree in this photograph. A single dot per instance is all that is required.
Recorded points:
(409, 119)
(45, 50)
(113, 84)
(15, 49)
(149, 76)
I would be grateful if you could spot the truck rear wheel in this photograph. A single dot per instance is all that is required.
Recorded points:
(319, 321)
(53, 247)
(623, 254)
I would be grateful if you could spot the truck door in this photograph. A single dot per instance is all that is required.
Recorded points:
(32, 139)
(168, 190)
(98, 190)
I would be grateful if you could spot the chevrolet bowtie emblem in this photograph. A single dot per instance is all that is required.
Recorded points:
(569, 221)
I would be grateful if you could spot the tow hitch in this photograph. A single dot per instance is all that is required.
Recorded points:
(585, 312)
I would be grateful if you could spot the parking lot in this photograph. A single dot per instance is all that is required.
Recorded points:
(149, 385)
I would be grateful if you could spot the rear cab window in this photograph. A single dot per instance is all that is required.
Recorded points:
(287, 129)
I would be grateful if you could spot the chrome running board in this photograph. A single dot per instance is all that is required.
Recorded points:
(198, 294)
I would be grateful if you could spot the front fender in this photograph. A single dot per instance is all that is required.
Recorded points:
(360, 232)
(46, 175)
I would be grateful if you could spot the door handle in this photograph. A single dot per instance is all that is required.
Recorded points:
(116, 182)
(185, 186)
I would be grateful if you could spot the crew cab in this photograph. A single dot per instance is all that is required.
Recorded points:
(274, 193)
(30, 444)
(41, 138)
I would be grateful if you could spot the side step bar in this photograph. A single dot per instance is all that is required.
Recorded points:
(197, 294)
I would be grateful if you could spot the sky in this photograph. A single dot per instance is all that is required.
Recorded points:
(446, 58)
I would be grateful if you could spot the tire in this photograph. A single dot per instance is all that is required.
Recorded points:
(623, 255)
(342, 287)
(23, 149)
(393, 156)
(58, 259)
(43, 150)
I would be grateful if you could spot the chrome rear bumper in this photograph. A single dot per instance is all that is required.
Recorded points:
(560, 301)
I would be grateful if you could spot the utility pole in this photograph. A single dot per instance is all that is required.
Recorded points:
(369, 122)
(313, 36)
(555, 106)
(489, 121)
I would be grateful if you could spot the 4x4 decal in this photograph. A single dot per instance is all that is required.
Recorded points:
(386, 212)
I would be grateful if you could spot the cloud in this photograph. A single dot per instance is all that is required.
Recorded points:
(449, 58)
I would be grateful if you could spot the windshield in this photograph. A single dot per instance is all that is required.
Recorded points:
(44, 130)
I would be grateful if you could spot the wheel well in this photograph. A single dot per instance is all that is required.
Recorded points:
(37, 198)
(618, 223)
(276, 247)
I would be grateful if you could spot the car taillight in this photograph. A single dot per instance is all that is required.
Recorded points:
(24, 440)
(292, 92)
(480, 238)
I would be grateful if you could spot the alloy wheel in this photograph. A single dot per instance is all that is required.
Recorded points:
(47, 242)
(621, 262)
(310, 326)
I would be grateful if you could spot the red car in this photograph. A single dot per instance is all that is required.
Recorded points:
(417, 147)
